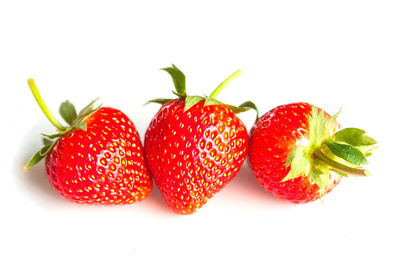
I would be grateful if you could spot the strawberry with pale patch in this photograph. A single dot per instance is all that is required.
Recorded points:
(194, 145)
(298, 153)
(97, 159)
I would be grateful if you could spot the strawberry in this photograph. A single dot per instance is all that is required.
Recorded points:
(97, 159)
(297, 153)
(194, 146)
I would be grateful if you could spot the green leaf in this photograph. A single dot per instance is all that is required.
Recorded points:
(250, 104)
(348, 153)
(320, 175)
(42, 153)
(88, 110)
(84, 114)
(339, 172)
(331, 122)
(317, 123)
(190, 101)
(82, 126)
(299, 162)
(296, 152)
(354, 137)
(316, 175)
(321, 157)
(51, 136)
(68, 112)
(236, 109)
(366, 150)
(46, 141)
(34, 160)
(212, 101)
(161, 101)
(178, 78)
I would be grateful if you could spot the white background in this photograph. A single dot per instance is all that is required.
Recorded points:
(330, 53)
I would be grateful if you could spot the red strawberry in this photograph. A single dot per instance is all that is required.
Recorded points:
(194, 145)
(97, 159)
(296, 153)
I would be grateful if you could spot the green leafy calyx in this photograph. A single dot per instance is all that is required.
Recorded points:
(179, 81)
(68, 112)
(343, 152)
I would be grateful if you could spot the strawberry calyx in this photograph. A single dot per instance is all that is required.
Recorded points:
(180, 90)
(343, 152)
(68, 112)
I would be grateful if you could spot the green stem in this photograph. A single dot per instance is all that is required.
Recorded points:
(43, 106)
(220, 87)
(336, 165)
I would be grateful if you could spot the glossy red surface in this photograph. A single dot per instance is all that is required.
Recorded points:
(192, 155)
(272, 139)
(103, 165)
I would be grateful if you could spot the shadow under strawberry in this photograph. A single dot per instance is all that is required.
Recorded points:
(246, 187)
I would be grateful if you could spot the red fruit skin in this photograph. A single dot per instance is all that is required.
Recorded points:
(103, 165)
(272, 139)
(192, 155)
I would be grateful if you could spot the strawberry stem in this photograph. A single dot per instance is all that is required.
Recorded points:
(43, 106)
(336, 165)
(220, 87)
